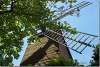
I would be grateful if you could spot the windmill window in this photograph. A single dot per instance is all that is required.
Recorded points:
(40, 32)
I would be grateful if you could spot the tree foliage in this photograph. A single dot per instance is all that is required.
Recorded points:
(21, 18)
(95, 57)
(60, 61)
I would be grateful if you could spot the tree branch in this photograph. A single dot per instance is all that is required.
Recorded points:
(8, 11)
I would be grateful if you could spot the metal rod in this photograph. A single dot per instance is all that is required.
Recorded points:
(83, 48)
(77, 42)
(55, 37)
(88, 34)
(86, 39)
(58, 38)
(75, 38)
(81, 43)
(76, 51)
(78, 46)
(91, 40)
(68, 39)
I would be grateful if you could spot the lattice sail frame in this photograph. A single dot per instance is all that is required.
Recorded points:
(72, 10)
(80, 40)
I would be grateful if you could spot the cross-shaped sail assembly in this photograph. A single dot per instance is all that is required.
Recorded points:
(77, 42)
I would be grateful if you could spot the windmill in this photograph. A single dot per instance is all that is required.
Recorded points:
(77, 42)
(65, 39)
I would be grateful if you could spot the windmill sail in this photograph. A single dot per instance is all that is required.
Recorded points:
(72, 10)
(81, 40)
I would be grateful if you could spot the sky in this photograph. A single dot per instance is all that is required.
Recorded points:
(87, 22)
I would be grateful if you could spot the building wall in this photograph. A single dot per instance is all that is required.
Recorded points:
(51, 52)
(47, 50)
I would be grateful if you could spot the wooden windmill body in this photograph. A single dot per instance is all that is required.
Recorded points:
(39, 54)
